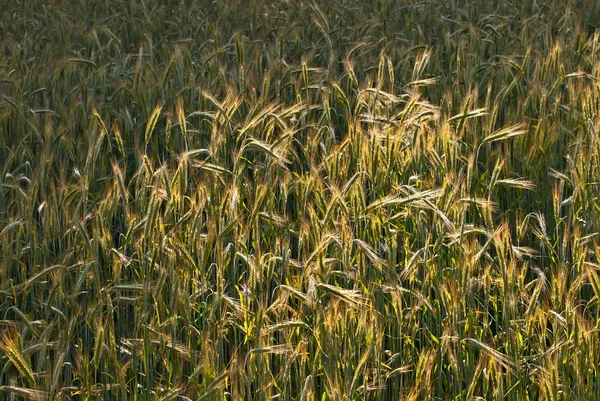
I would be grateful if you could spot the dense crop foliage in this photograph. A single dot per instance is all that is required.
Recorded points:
(257, 200)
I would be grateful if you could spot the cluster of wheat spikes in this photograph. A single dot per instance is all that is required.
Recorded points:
(284, 200)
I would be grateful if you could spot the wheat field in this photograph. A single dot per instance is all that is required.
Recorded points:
(299, 200)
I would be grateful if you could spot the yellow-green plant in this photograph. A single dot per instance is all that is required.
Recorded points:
(341, 200)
